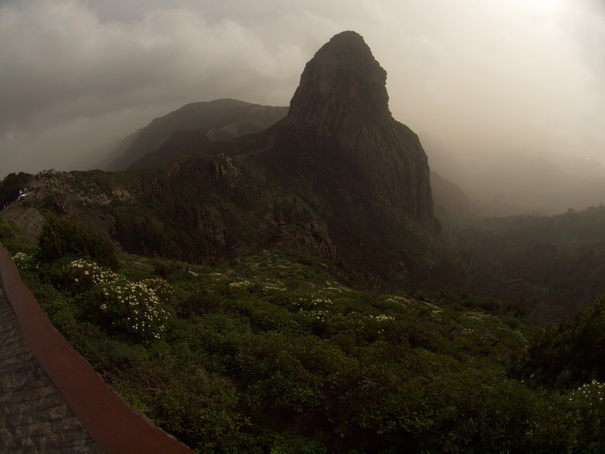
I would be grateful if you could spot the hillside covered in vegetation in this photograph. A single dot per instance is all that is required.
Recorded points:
(276, 352)
(550, 266)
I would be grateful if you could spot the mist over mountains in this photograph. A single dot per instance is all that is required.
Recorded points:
(499, 182)
(495, 184)
(517, 182)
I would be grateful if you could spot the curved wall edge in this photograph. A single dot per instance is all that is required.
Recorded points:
(114, 425)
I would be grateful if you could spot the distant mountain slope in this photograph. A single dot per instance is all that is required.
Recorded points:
(551, 266)
(509, 182)
(452, 206)
(110, 154)
(222, 118)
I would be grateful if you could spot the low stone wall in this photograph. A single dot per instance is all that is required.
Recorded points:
(113, 425)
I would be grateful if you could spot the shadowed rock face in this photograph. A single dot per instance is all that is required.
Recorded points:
(340, 87)
(340, 113)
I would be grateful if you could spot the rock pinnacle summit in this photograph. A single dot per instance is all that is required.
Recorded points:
(341, 116)
(342, 77)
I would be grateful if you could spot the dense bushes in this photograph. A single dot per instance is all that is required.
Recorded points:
(11, 186)
(62, 237)
(270, 353)
(80, 264)
(551, 266)
(571, 352)
(129, 309)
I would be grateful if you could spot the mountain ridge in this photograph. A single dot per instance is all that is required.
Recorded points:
(210, 119)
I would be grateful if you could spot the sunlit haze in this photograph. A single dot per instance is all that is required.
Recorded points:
(479, 81)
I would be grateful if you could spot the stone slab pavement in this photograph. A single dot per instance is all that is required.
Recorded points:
(34, 417)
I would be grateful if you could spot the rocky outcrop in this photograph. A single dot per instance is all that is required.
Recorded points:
(310, 238)
(68, 193)
(453, 208)
(341, 116)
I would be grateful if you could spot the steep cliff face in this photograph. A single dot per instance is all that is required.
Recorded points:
(341, 117)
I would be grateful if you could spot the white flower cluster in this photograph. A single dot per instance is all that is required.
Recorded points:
(313, 304)
(334, 287)
(135, 307)
(476, 315)
(312, 308)
(321, 301)
(381, 317)
(319, 314)
(91, 273)
(399, 300)
(23, 261)
(242, 283)
(274, 286)
(19, 256)
(589, 393)
(161, 288)
(436, 314)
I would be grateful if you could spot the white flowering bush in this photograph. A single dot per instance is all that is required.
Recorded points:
(313, 303)
(85, 275)
(382, 317)
(589, 397)
(589, 405)
(393, 299)
(240, 283)
(162, 289)
(133, 308)
(24, 261)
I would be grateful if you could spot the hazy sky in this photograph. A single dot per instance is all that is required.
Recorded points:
(473, 76)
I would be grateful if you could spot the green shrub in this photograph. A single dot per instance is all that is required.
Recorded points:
(132, 308)
(135, 309)
(80, 275)
(7, 230)
(14, 238)
(587, 401)
(24, 262)
(61, 237)
(11, 186)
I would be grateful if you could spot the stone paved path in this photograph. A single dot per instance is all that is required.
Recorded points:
(34, 417)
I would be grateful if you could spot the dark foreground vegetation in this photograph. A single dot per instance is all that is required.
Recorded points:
(273, 352)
